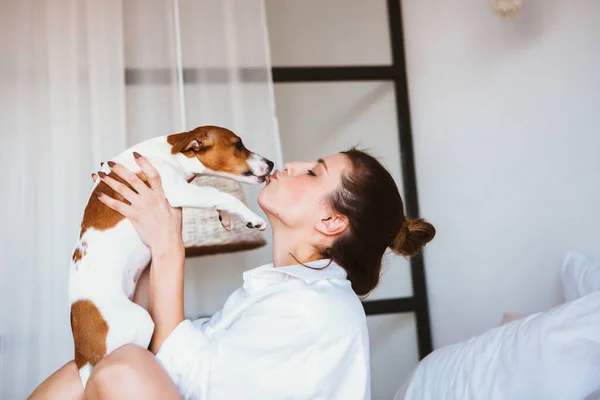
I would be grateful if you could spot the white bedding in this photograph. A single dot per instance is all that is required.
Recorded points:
(553, 355)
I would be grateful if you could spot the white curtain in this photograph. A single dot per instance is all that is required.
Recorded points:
(79, 82)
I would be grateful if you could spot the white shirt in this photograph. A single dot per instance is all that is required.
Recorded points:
(287, 333)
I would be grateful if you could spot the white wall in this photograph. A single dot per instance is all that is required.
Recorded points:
(506, 134)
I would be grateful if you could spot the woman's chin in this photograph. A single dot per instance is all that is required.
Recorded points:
(263, 200)
(266, 204)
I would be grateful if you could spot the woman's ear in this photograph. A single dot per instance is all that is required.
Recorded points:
(333, 224)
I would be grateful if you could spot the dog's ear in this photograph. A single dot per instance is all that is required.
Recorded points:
(196, 140)
(199, 144)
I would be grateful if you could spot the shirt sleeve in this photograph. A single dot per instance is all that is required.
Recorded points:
(264, 354)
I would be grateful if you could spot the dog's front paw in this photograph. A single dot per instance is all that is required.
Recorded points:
(253, 221)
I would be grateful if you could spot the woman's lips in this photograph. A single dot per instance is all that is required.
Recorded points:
(275, 176)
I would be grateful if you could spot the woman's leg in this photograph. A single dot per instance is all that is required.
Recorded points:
(130, 372)
(63, 384)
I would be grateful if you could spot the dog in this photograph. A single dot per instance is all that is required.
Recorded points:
(109, 256)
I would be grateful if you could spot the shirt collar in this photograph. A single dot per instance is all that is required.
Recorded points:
(327, 269)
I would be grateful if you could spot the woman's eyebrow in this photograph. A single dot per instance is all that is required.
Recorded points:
(321, 161)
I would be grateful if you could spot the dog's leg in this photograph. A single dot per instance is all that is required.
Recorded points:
(226, 220)
(129, 323)
(120, 321)
(208, 197)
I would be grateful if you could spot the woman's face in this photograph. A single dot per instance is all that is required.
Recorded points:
(298, 196)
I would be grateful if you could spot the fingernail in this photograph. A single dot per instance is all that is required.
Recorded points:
(110, 164)
(136, 154)
(220, 218)
(93, 176)
(101, 174)
(102, 163)
(99, 195)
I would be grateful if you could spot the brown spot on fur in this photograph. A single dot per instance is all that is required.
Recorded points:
(217, 150)
(89, 333)
(77, 254)
(99, 216)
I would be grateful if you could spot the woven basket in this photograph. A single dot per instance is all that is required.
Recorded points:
(507, 8)
(203, 233)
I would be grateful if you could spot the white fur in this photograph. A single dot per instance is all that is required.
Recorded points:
(84, 374)
(114, 258)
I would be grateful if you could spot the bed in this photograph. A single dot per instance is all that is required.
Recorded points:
(550, 355)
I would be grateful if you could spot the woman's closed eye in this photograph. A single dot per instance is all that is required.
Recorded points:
(310, 172)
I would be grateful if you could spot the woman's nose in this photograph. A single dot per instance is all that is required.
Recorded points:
(288, 168)
(292, 168)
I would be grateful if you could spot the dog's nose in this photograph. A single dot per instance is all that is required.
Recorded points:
(270, 164)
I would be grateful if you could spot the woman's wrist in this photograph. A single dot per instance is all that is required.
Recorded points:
(173, 248)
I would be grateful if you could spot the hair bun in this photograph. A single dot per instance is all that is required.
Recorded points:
(412, 237)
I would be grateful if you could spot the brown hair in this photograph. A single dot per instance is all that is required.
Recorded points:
(369, 197)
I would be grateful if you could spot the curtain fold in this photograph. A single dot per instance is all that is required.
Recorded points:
(80, 80)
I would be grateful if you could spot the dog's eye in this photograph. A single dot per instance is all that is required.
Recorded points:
(239, 146)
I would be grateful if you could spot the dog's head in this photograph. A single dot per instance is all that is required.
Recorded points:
(213, 150)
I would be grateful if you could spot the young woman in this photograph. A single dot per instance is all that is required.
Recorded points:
(296, 328)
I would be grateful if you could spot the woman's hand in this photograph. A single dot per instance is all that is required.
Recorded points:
(159, 226)
(156, 222)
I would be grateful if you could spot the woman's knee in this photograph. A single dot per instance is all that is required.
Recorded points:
(125, 356)
(62, 384)
(128, 371)
(111, 377)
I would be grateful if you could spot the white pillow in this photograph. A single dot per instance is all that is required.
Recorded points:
(580, 275)
(553, 355)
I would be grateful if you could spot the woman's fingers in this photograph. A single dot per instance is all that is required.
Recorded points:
(136, 183)
(118, 187)
(119, 206)
(150, 171)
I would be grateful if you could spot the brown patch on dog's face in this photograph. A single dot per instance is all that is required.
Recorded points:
(89, 333)
(218, 149)
(221, 151)
(99, 216)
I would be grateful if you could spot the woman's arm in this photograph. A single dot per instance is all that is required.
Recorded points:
(166, 292)
(169, 288)
(141, 296)
(159, 227)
